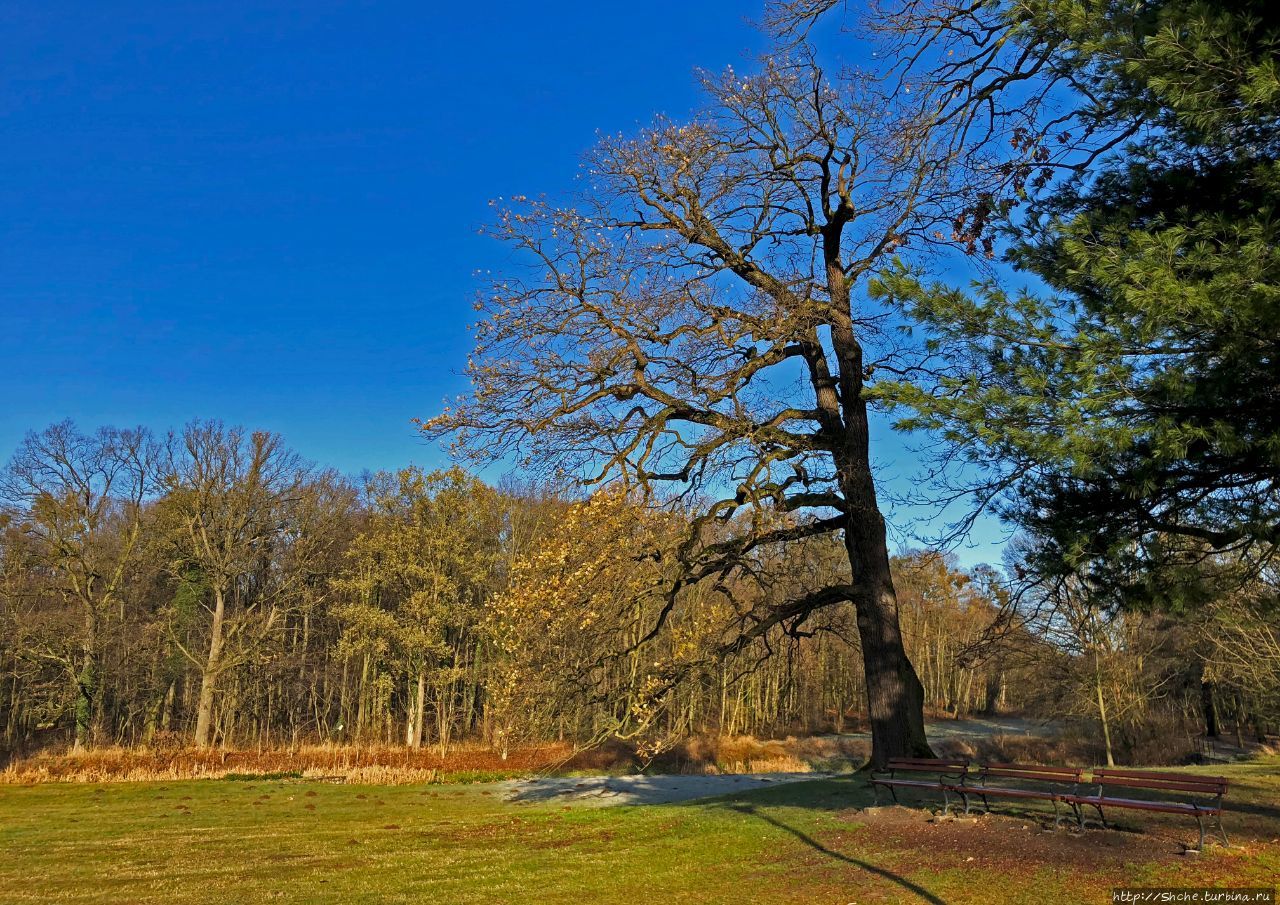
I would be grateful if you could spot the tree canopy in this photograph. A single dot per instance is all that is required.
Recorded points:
(1129, 396)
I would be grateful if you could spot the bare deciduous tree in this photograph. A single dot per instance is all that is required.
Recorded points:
(226, 491)
(696, 326)
(82, 498)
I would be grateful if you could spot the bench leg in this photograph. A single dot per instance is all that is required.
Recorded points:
(965, 796)
(1222, 831)
(986, 804)
(875, 792)
(1084, 821)
(1057, 815)
(946, 801)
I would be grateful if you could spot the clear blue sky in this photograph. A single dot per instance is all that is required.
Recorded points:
(266, 212)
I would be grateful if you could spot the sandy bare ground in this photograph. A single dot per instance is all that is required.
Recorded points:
(988, 727)
(664, 789)
(978, 727)
(659, 789)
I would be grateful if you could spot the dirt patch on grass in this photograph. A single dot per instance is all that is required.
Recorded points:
(1008, 843)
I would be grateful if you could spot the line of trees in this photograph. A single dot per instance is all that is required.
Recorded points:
(211, 586)
(208, 587)
(210, 583)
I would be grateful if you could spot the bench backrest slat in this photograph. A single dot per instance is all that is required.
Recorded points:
(927, 765)
(1032, 773)
(1160, 776)
(1034, 768)
(1204, 788)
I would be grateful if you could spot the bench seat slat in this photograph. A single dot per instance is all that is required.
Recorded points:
(994, 791)
(1143, 804)
(1071, 777)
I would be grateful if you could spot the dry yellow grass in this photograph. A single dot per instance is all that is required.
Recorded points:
(391, 765)
(375, 764)
(387, 765)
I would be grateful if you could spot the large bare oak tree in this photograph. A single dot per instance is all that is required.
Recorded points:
(696, 325)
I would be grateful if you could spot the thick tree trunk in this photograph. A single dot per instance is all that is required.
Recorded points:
(895, 697)
(995, 691)
(1102, 710)
(362, 698)
(444, 717)
(1209, 708)
(166, 712)
(86, 680)
(88, 683)
(204, 709)
(419, 707)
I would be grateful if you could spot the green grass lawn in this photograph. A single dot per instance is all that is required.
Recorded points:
(296, 841)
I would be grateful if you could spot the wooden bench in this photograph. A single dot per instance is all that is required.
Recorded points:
(1181, 793)
(1024, 781)
(938, 774)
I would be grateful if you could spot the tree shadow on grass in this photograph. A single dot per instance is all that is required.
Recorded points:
(1251, 808)
(751, 811)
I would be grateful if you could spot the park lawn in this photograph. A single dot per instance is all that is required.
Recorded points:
(298, 841)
